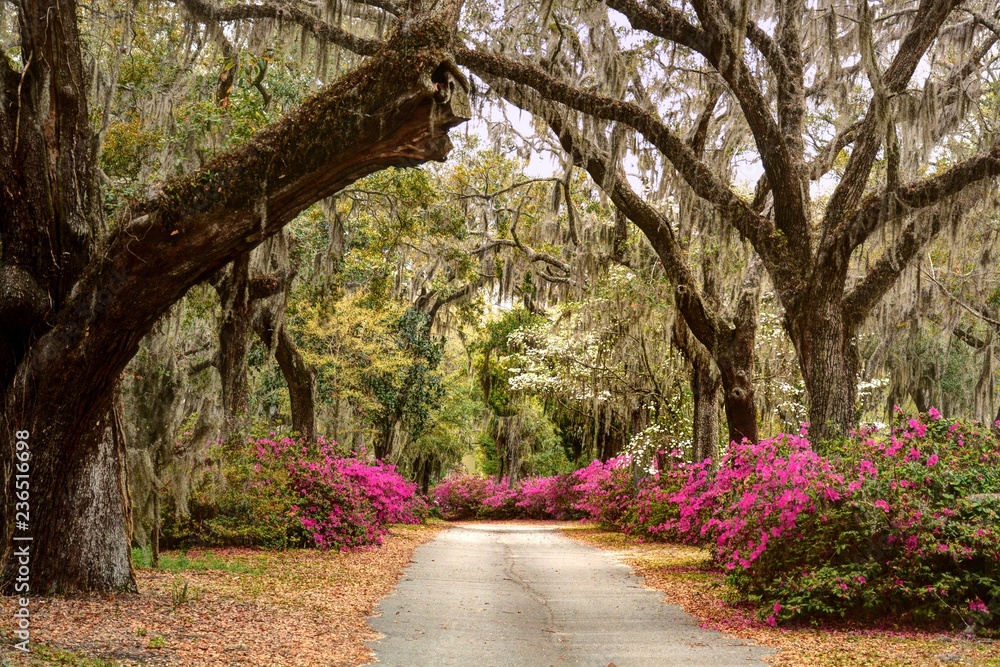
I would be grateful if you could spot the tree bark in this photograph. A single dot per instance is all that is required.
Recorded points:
(704, 383)
(269, 324)
(829, 359)
(299, 376)
(395, 110)
(705, 392)
(80, 514)
(234, 330)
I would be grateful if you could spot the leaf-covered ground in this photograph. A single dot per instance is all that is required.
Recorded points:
(224, 607)
(682, 574)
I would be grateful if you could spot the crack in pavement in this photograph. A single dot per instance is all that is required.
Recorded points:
(510, 563)
(520, 595)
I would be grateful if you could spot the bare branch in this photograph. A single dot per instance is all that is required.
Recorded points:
(532, 255)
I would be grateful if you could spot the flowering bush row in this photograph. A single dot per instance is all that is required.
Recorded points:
(586, 493)
(904, 523)
(282, 493)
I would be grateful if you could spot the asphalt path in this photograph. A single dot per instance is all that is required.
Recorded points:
(518, 595)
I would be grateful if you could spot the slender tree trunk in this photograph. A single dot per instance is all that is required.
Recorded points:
(155, 540)
(269, 324)
(705, 392)
(387, 438)
(736, 370)
(704, 383)
(299, 376)
(234, 330)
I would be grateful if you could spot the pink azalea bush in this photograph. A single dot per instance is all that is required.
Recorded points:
(903, 523)
(341, 502)
(471, 497)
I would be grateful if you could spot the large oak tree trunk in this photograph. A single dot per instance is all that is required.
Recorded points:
(394, 111)
(829, 359)
(80, 513)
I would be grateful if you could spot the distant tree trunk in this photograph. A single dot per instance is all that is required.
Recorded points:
(735, 357)
(705, 394)
(155, 540)
(300, 378)
(269, 324)
(387, 439)
(234, 330)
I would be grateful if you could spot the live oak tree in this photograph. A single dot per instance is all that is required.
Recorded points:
(79, 292)
(825, 90)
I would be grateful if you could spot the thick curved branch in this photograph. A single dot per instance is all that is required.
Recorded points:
(395, 110)
(701, 317)
(433, 303)
(666, 22)
(922, 194)
(886, 271)
(697, 175)
(205, 11)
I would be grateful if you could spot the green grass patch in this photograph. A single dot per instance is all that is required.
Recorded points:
(41, 656)
(181, 562)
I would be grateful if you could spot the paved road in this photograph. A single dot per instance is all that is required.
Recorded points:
(508, 595)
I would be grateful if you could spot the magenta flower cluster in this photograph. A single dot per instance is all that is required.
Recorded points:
(600, 491)
(341, 502)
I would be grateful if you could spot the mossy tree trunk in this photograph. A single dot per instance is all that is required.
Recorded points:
(80, 314)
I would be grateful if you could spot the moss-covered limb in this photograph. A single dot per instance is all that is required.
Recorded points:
(931, 15)
(883, 275)
(921, 194)
(388, 6)
(395, 110)
(206, 11)
(695, 172)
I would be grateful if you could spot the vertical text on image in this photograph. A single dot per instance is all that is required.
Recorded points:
(22, 538)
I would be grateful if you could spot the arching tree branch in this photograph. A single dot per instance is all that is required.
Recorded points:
(701, 179)
(205, 10)
(921, 194)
